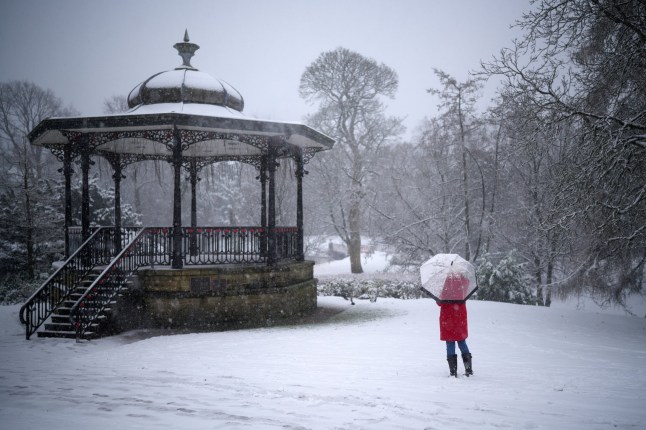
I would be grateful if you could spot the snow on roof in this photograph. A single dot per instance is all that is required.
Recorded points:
(187, 108)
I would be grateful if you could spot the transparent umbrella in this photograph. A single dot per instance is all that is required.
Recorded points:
(448, 278)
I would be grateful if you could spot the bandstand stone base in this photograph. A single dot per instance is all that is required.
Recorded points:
(217, 297)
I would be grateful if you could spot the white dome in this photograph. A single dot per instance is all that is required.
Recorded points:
(185, 84)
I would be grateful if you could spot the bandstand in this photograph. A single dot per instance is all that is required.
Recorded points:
(189, 277)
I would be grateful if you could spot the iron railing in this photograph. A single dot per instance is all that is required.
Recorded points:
(149, 246)
(97, 250)
(287, 243)
(223, 245)
(153, 246)
(101, 294)
(76, 235)
(209, 245)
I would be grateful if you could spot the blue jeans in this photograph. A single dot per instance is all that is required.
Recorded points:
(450, 347)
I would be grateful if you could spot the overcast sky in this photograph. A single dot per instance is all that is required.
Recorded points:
(86, 51)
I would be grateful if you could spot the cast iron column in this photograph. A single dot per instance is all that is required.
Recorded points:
(271, 216)
(300, 172)
(263, 206)
(67, 174)
(117, 176)
(176, 258)
(85, 190)
(194, 179)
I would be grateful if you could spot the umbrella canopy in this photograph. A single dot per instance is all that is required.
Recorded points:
(448, 278)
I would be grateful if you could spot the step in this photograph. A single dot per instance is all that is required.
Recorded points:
(87, 303)
(59, 334)
(65, 319)
(56, 326)
(65, 326)
(86, 283)
(70, 334)
(60, 319)
(63, 310)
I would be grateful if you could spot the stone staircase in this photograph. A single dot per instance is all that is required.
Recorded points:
(59, 324)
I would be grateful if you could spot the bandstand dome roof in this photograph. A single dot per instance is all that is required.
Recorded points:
(204, 110)
(185, 84)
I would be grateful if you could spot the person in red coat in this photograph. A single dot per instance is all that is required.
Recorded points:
(454, 325)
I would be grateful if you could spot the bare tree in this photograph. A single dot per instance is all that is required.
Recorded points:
(533, 146)
(22, 106)
(457, 100)
(115, 104)
(419, 200)
(583, 63)
(348, 88)
(26, 167)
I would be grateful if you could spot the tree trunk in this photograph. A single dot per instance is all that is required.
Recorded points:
(548, 292)
(495, 187)
(467, 221)
(29, 223)
(539, 281)
(354, 245)
(465, 181)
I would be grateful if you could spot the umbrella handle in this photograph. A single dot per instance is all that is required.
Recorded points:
(471, 293)
(428, 293)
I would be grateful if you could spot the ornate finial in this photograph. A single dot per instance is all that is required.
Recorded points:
(186, 50)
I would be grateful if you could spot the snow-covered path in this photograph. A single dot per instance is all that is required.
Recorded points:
(370, 366)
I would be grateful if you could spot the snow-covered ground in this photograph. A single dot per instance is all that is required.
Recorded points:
(377, 263)
(370, 366)
(371, 263)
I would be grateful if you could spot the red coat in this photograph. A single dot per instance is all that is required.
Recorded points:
(453, 321)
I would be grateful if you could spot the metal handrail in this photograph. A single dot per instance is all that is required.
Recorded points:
(76, 231)
(97, 250)
(101, 293)
(58, 286)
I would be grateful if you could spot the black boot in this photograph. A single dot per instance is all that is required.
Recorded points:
(453, 364)
(466, 358)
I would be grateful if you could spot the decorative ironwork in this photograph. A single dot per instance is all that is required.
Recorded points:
(101, 138)
(215, 245)
(154, 246)
(308, 154)
(300, 171)
(286, 243)
(126, 159)
(55, 290)
(194, 136)
(100, 295)
(223, 245)
(72, 136)
(95, 140)
(65, 152)
(201, 162)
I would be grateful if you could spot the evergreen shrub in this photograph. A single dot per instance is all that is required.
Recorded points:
(503, 281)
(369, 289)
